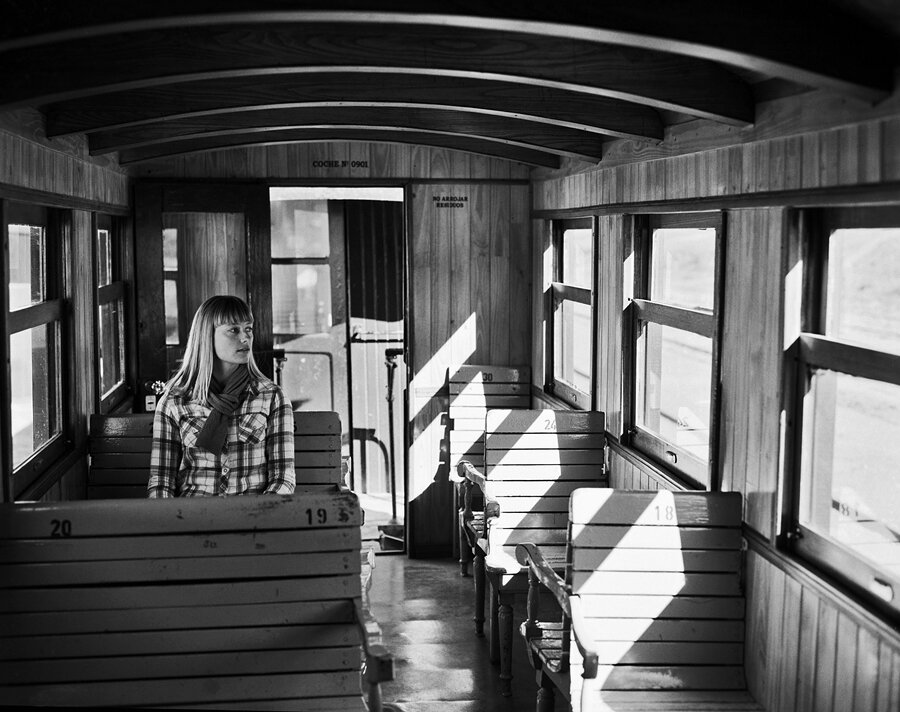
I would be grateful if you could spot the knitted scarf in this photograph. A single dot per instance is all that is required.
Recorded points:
(224, 399)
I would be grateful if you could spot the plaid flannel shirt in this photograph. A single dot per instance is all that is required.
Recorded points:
(258, 457)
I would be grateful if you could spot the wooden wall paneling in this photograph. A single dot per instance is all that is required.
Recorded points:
(845, 663)
(451, 272)
(259, 270)
(865, 674)
(151, 324)
(491, 256)
(540, 240)
(520, 292)
(826, 657)
(789, 636)
(890, 150)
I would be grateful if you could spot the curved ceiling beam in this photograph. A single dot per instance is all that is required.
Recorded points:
(806, 41)
(557, 139)
(493, 148)
(78, 68)
(269, 91)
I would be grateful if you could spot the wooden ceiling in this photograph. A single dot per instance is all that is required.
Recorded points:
(528, 82)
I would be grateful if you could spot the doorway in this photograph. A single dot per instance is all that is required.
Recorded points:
(338, 314)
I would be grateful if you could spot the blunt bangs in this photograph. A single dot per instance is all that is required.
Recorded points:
(230, 310)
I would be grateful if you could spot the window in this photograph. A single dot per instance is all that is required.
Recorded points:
(570, 331)
(36, 332)
(845, 513)
(673, 346)
(111, 314)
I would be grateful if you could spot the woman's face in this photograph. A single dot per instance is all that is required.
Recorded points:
(233, 342)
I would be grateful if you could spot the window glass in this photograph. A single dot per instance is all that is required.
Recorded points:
(112, 346)
(301, 299)
(847, 494)
(863, 302)
(27, 257)
(299, 228)
(104, 258)
(170, 248)
(36, 402)
(673, 387)
(572, 342)
(170, 295)
(683, 270)
(307, 376)
(577, 249)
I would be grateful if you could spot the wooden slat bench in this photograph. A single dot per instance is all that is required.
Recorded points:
(473, 390)
(652, 607)
(534, 459)
(230, 603)
(120, 453)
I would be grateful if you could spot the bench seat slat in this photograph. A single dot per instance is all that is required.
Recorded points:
(256, 662)
(655, 606)
(501, 442)
(665, 653)
(590, 474)
(543, 421)
(672, 677)
(321, 704)
(181, 691)
(658, 508)
(100, 445)
(669, 559)
(186, 617)
(34, 551)
(495, 388)
(184, 641)
(95, 598)
(208, 514)
(540, 458)
(190, 568)
(648, 629)
(655, 537)
(661, 582)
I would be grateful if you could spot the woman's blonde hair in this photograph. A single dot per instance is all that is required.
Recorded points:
(199, 355)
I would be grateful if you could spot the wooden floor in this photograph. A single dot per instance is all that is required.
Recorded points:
(424, 609)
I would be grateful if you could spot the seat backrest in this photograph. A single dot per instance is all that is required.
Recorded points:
(120, 453)
(534, 460)
(474, 390)
(317, 448)
(658, 575)
(205, 600)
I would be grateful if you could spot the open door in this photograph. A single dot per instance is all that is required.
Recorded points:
(338, 305)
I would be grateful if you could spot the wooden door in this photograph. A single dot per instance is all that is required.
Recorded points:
(195, 241)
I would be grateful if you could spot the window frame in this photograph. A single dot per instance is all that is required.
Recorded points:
(118, 288)
(812, 350)
(671, 458)
(557, 292)
(53, 309)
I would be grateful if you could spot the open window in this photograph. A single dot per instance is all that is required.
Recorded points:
(570, 312)
(844, 499)
(673, 349)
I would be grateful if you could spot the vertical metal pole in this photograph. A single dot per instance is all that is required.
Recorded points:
(390, 355)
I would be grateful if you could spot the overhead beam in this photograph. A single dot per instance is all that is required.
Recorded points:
(284, 90)
(86, 67)
(808, 41)
(496, 149)
(562, 140)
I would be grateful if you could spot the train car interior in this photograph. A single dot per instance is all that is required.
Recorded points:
(588, 316)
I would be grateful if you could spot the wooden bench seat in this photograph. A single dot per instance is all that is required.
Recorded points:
(120, 447)
(473, 391)
(652, 607)
(533, 460)
(232, 603)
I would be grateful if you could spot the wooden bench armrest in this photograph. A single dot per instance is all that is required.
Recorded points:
(467, 470)
(379, 663)
(579, 635)
(530, 555)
